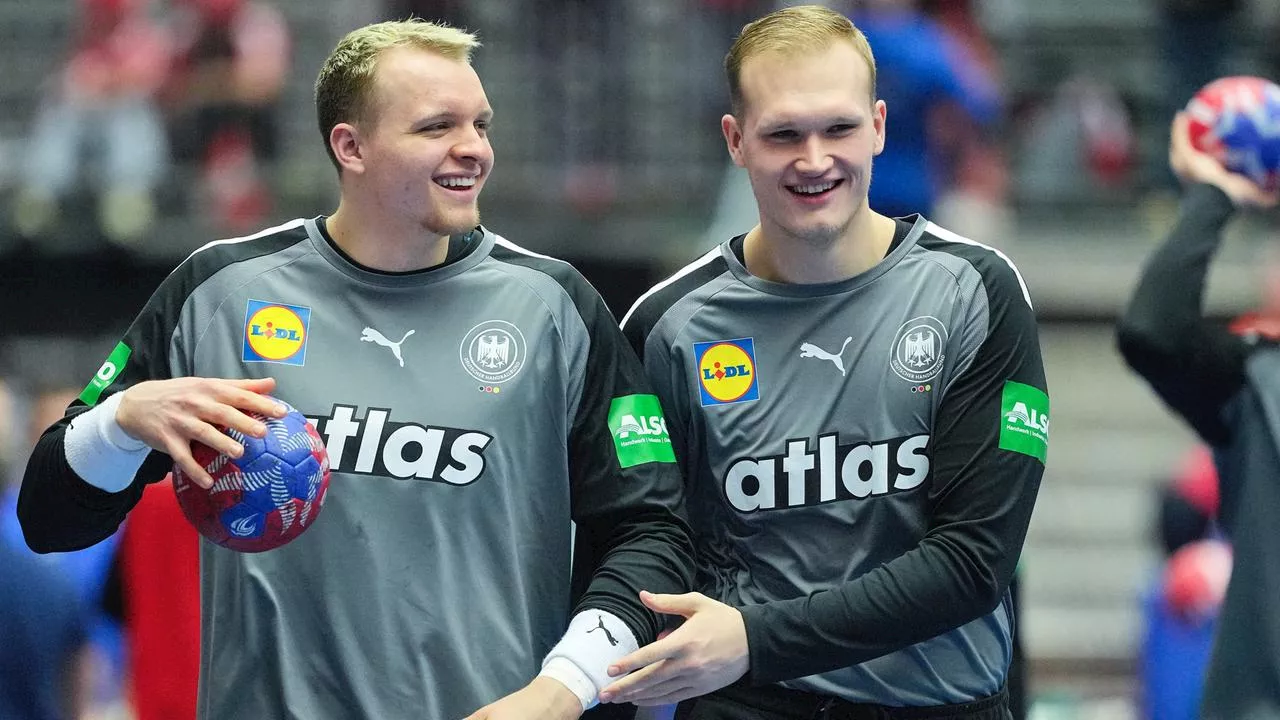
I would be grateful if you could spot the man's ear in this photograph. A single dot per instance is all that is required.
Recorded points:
(732, 138)
(347, 146)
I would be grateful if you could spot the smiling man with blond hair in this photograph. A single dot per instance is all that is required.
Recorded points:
(439, 580)
(859, 405)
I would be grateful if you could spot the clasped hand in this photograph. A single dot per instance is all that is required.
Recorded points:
(707, 652)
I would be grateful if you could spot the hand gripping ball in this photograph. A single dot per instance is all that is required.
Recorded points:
(1237, 120)
(264, 498)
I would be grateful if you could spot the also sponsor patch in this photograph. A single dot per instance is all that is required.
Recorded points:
(1024, 420)
(276, 333)
(639, 430)
(727, 371)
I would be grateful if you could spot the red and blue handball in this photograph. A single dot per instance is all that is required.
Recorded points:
(1237, 120)
(264, 498)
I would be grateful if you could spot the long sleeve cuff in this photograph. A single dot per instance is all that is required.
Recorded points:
(100, 451)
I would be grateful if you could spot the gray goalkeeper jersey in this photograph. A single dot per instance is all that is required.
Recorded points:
(470, 412)
(862, 458)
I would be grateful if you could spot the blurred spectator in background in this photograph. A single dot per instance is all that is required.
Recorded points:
(1181, 605)
(973, 198)
(223, 97)
(1080, 145)
(939, 98)
(85, 571)
(100, 105)
(46, 666)
(43, 659)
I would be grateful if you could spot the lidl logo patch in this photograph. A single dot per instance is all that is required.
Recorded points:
(276, 333)
(639, 430)
(727, 371)
(1024, 420)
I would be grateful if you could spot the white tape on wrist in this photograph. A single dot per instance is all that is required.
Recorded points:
(100, 451)
(595, 639)
(572, 677)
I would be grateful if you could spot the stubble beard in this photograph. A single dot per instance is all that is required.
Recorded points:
(455, 223)
(820, 237)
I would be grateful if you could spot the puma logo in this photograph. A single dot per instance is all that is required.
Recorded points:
(373, 336)
(809, 350)
(608, 635)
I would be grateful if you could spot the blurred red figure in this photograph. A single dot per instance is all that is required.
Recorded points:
(223, 97)
(1196, 577)
(160, 571)
(118, 51)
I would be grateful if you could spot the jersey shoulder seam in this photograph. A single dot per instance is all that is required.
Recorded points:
(663, 297)
(939, 239)
(223, 300)
(200, 278)
(542, 264)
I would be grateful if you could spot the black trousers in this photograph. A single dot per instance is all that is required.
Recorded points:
(774, 702)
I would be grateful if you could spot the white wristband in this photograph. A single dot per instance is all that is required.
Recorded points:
(100, 451)
(595, 639)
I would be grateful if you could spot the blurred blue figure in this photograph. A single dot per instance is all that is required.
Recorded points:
(42, 656)
(84, 572)
(1173, 658)
(1181, 604)
(100, 103)
(931, 84)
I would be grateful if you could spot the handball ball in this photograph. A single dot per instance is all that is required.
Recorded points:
(1237, 120)
(264, 498)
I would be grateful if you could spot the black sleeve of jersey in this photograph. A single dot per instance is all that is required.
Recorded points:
(632, 533)
(58, 510)
(982, 497)
(1194, 365)
(635, 336)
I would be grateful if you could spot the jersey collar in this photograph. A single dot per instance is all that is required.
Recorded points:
(465, 252)
(739, 270)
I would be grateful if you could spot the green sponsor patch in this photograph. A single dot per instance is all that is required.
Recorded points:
(639, 430)
(1024, 420)
(106, 374)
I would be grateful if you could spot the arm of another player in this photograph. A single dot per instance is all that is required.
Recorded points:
(628, 504)
(1194, 365)
(543, 699)
(985, 474)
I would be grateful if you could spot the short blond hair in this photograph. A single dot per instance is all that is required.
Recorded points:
(347, 76)
(793, 30)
